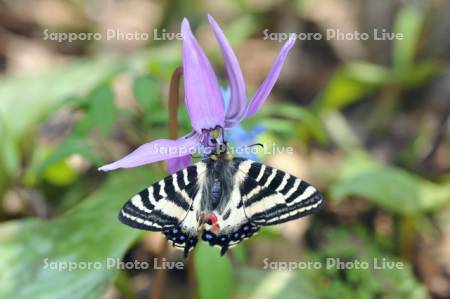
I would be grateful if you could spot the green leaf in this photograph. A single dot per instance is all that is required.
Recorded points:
(350, 83)
(164, 59)
(420, 73)
(147, 92)
(34, 97)
(214, 273)
(409, 22)
(9, 152)
(390, 187)
(305, 118)
(339, 130)
(280, 126)
(357, 163)
(239, 253)
(102, 110)
(25, 101)
(60, 174)
(83, 126)
(124, 285)
(9, 156)
(88, 233)
(241, 28)
(69, 147)
(367, 73)
(433, 195)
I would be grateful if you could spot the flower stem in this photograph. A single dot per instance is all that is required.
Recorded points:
(173, 102)
(161, 274)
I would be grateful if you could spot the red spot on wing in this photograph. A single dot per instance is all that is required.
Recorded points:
(213, 219)
(215, 228)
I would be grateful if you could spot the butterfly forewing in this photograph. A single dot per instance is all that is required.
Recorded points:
(168, 206)
(271, 196)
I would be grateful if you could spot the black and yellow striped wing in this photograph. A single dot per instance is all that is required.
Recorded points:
(168, 206)
(271, 196)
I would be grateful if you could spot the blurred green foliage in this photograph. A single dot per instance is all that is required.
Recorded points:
(214, 273)
(338, 278)
(85, 234)
(390, 187)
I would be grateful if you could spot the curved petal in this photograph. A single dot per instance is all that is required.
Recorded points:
(230, 123)
(203, 97)
(176, 164)
(266, 87)
(226, 94)
(237, 85)
(158, 150)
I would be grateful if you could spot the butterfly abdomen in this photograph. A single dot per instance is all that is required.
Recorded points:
(218, 185)
(216, 193)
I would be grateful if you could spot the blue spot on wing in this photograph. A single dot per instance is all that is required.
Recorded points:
(234, 237)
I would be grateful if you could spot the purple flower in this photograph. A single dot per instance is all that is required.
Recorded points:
(205, 103)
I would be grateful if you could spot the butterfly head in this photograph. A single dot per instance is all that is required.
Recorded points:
(219, 146)
(220, 152)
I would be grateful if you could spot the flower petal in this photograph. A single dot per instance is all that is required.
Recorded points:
(203, 97)
(161, 149)
(266, 87)
(176, 164)
(226, 95)
(237, 85)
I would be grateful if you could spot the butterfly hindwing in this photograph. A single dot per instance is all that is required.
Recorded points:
(168, 206)
(233, 223)
(271, 196)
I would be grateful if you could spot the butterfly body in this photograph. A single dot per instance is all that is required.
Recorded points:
(218, 183)
(221, 200)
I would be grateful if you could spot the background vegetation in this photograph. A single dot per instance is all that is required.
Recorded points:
(369, 122)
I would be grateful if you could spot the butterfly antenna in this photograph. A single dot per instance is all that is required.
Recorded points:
(256, 144)
(223, 135)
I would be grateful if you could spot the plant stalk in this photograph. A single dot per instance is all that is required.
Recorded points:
(161, 274)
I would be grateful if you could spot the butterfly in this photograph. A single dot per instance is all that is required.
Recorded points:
(221, 200)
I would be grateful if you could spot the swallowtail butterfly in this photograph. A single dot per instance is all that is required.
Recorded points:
(221, 200)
